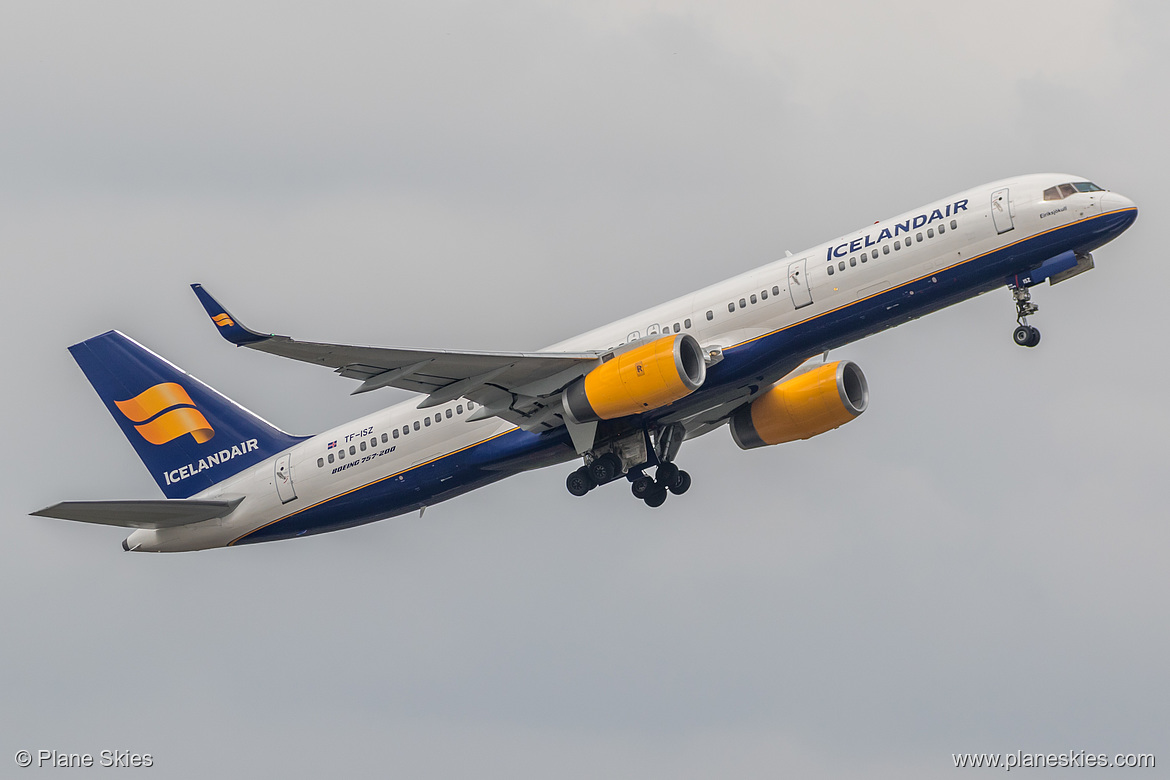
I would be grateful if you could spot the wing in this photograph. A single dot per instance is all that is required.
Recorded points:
(149, 513)
(520, 387)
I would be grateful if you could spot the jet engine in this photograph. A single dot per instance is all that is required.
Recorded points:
(647, 376)
(800, 407)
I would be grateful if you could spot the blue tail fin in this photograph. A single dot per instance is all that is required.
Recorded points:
(189, 436)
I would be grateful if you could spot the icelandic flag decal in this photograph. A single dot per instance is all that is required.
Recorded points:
(332, 445)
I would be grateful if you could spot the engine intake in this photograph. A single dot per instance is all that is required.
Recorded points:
(800, 407)
(645, 377)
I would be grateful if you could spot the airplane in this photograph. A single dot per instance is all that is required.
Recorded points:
(749, 354)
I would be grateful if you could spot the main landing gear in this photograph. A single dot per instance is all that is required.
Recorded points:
(1025, 335)
(668, 478)
(630, 457)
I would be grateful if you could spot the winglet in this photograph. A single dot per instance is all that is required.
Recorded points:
(229, 327)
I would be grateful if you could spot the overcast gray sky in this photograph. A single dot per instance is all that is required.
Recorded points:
(976, 564)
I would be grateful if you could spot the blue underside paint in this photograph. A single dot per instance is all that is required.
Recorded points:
(780, 351)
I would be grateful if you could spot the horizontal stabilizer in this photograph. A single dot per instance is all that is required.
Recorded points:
(148, 513)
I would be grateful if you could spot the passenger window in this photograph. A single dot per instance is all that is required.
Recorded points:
(754, 299)
(439, 417)
(710, 315)
(918, 237)
(677, 327)
(942, 229)
(341, 453)
(841, 266)
(395, 433)
(954, 224)
(1052, 193)
(831, 270)
(742, 303)
(775, 290)
(352, 451)
(385, 438)
(470, 405)
(320, 462)
(417, 425)
(731, 306)
(897, 245)
(650, 331)
(886, 249)
(908, 241)
(448, 414)
(331, 457)
(459, 409)
(930, 232)
(687, 323)
(763, 295)
(427, 421)
(865, 257)
(373, 444)
(1066, 190)
(853, 261)
(363, 446)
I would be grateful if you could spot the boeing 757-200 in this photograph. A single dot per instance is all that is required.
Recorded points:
(742, 354)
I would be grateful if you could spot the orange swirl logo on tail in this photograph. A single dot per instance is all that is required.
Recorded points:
(158, 423)
(222, 320)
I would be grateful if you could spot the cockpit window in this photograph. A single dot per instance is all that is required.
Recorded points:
(1072, 188)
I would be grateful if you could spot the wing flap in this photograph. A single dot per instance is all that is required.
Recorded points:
(144, 513)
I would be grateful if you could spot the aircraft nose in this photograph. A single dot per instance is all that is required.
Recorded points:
(1111, 201)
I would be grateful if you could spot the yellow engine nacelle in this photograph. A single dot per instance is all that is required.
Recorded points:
(640, 379)
(818, 400)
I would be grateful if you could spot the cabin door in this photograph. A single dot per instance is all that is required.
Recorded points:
(283, 478)
(1001, 213)
(798, 283)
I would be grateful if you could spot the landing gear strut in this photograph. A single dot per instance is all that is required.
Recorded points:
(1025, 335)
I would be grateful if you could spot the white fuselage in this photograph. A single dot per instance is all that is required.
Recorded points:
(730, 314)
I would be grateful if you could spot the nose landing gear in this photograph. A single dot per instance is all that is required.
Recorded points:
(1024, 335)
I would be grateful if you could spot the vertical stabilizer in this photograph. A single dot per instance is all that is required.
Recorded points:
(188, 435)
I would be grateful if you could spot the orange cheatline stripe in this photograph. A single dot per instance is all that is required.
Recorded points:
(920, 278)
(174, 424)
(368, 484)
(150, 402)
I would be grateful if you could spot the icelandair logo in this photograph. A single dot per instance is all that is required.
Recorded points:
(886, 233)
(165, 412)
(223, 456)
(222, 320)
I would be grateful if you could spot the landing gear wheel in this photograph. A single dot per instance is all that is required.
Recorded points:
(666, 475)
(605, 468)
(1026, 336)
(656, 497)
(641, 487)
(681, 484)
(579, 482)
